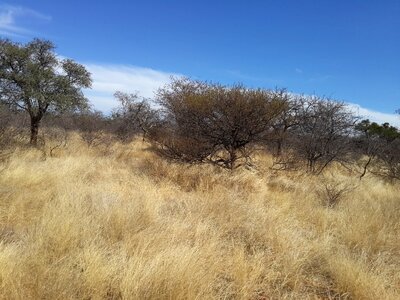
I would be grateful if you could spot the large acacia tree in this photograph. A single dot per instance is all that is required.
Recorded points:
(34, 79)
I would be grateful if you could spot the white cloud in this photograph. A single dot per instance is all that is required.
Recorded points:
(376, 116)
(107, 79)
(11, 17)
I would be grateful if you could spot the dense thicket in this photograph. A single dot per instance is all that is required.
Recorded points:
(198, 122)
(204, 122)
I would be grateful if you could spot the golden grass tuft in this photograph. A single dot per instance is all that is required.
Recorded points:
(122, 223)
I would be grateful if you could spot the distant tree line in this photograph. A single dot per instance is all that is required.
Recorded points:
(191, 121)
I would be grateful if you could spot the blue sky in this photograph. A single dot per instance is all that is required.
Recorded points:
(348, 50)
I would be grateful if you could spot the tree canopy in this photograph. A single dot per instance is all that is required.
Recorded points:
(34, 79)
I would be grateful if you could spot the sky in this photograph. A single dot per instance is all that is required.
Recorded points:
(346, 50)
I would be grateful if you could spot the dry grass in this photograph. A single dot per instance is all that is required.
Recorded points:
(125, 224)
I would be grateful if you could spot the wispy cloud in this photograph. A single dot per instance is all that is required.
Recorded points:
(366, 113)
(375, 116)
(107, 79)
(13, 18)
(298, 71)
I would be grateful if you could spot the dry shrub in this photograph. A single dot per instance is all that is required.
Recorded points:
(322, 135)
(11, 128)
(52, 140)
(331, 190)
(213, 123)
(5, 120)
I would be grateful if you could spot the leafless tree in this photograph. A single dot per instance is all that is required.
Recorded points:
(91, 125)
(379, 146)
(366, 145)
(390, 157)
(286, 120)
(323, 133)
(134, 115)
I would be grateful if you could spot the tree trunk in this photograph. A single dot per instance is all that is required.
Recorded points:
(366, 167)
(279, 148)
(232, 159)
(35, 122)
(311, 165)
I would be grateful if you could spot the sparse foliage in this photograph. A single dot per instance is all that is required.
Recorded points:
(287, 119)
(381, 146)
(134, 115)
(215, 123)
(53, 138)
(91, 125)
(322, 135)
(331, 191)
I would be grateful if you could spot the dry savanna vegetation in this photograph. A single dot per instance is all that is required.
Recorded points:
(125, 223)
(204, 192)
